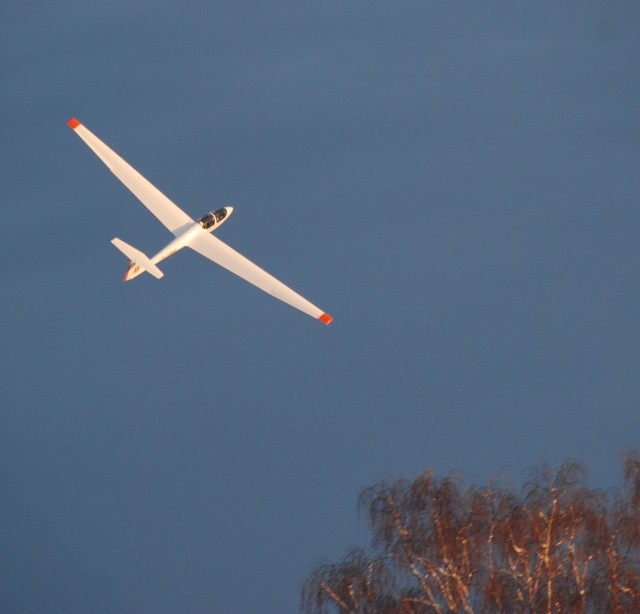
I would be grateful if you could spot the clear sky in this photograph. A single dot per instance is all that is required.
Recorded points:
(457, 183)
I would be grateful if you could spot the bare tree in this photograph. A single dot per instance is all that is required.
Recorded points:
(438, 547)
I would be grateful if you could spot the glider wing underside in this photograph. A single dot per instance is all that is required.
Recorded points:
(211, 247)
(153, 199)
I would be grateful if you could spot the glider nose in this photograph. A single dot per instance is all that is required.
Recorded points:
(229, 210)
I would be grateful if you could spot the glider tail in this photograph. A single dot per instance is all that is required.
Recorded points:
(139, 262)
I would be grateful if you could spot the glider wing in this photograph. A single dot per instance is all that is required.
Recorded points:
(211, 247)
(164, 209)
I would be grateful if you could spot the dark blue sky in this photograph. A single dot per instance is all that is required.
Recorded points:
(456, 183)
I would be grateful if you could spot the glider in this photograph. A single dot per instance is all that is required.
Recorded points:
(187, 232)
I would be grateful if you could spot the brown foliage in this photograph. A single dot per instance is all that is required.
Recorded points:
(438, 547)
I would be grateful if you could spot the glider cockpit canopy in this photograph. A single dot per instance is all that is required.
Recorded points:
(211, 219)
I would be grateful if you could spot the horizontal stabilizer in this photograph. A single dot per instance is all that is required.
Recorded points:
(139, 262)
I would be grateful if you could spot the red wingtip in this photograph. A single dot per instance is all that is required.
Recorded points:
(73, 123)
(326, 318)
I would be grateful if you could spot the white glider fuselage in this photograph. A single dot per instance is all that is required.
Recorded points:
(208, 223)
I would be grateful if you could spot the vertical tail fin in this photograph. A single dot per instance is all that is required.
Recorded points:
(139, 262)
